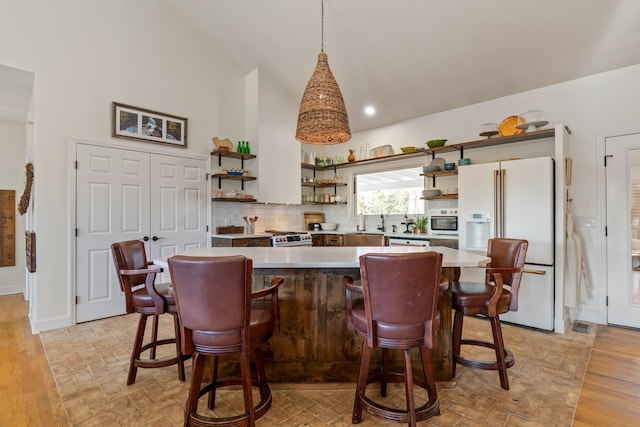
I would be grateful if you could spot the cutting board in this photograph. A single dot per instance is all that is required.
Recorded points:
(311, 217)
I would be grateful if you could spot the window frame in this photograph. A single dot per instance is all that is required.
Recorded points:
(415, 162)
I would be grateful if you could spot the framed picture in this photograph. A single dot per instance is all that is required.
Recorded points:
(150, 126)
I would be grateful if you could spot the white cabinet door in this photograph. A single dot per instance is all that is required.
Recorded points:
(127, 195)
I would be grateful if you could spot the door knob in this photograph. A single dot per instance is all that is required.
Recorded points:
(145, 238)
(155, 238)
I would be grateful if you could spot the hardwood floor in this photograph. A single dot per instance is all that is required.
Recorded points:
(611, 391)
(609, 396)
(28, 393)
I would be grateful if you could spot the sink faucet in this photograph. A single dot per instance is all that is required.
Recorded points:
(381, 228)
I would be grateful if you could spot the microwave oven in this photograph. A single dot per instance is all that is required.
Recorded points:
(443, 221)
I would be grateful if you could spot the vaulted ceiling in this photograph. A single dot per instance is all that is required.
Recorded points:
(410, 58)
(407, 58)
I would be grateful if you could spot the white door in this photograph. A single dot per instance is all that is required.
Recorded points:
(178, 206)
(126, 195)
(112, 204)
(623, 229)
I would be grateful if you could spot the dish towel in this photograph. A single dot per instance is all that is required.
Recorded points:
(577, 284)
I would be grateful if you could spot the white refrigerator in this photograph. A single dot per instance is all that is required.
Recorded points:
(513, 199)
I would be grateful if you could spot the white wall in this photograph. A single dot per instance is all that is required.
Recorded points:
(12, 177)
(589, 106)
(86, 54)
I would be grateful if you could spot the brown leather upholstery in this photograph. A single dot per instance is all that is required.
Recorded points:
(397, 311)
(214, 300)
(490, 299)
(357, 239)
(137, 276)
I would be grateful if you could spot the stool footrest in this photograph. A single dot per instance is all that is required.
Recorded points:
(237, 420)
(428, 410)
(492, 365)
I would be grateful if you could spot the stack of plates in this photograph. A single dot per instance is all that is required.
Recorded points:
(427, 169)
(431, 193)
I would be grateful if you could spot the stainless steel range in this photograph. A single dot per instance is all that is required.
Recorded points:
(290, 238)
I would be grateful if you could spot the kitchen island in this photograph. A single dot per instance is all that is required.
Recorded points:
(313, 344)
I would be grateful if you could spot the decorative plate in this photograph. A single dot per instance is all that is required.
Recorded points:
(509, 125)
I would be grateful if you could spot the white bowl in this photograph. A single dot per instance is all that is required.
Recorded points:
(328, 226)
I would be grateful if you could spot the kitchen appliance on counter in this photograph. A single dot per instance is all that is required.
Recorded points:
(290, 238)
(513, 199)
(443, 221)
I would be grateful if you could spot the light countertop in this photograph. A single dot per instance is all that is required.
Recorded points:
(241, 236)
(399, 235)
(329, 256)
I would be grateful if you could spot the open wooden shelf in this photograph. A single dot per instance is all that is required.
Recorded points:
(459, 147)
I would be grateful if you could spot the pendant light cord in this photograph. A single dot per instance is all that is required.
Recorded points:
(322, 26)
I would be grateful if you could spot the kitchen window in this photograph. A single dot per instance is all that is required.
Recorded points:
(389, 192)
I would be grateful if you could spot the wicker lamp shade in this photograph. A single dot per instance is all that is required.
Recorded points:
(323, 117)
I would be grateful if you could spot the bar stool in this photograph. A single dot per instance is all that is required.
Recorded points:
(217, 318)
(136, 276)
(397, 311)
(490, 299)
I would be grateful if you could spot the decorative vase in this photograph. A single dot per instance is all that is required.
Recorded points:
(352, 157)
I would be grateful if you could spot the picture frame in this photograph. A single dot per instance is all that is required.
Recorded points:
(141, 124)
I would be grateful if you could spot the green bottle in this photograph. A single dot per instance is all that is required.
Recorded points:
(247, 150)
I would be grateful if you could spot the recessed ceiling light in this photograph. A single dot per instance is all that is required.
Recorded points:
(369, 110)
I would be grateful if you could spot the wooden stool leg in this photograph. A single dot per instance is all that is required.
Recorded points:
(261, 374)
(408, 387)
(498, 343)
(384, 365)
(176, 328)
(429, 378)
(137, 349)
(365, 359)
(194, 390)
(456, 340)
(245, 372)
(214, 379)
(154, 337)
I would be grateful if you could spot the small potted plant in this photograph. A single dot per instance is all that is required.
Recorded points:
(420, 224)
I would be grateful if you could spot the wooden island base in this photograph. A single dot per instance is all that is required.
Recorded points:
(313, 344)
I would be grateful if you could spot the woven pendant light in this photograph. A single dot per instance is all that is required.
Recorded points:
(323, 117)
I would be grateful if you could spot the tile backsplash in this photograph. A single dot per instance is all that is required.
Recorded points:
(291, 218)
